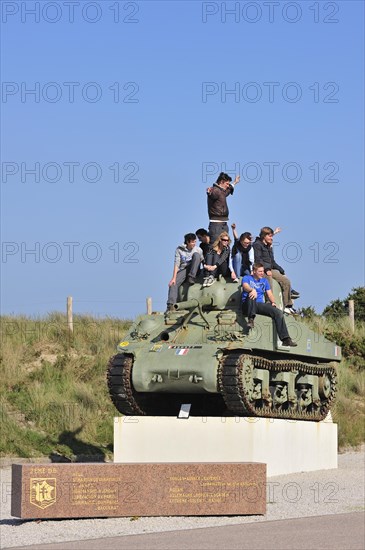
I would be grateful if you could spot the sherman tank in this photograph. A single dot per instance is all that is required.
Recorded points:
(203, 353)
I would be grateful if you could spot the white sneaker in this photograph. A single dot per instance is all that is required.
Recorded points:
(210, 280)
(290, 311)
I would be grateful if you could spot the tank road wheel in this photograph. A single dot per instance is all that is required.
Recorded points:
(252, 389)
(324, 386)
(327, 390)
(305, 400)
(257, 393)
(280, 397)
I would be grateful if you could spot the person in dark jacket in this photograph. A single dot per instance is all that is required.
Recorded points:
(217, 261)
(217, 204)
(204, 239)
(264, 254)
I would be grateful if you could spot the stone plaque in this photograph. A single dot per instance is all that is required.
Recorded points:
(157, 489)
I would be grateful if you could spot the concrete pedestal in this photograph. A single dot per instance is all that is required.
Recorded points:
(286, 446)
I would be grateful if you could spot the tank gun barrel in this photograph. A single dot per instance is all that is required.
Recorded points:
(190, 304)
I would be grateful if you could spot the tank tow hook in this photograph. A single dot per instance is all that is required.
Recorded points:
(195, 379)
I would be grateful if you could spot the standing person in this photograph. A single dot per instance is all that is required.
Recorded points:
(217, 204)
(204, 239)
(188, 258)
(264, 254)
(242, 252)
(217, 261)
(254, 288)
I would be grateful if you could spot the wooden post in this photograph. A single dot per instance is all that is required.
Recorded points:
(70, 322)
(352, 315)
(149, 306)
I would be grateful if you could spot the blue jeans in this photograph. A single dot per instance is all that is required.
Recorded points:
(237, 265)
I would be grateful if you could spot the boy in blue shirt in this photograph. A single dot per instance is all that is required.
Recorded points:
(254, 288)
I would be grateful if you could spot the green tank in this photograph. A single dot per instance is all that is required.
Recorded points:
(202, 353)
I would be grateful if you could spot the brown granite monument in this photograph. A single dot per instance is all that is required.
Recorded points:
(157, 489)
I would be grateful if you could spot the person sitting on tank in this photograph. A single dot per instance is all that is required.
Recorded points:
(254, 289)
(264, 254)
(188, 258)
(217, 261)
(242, 252)
(204, 238)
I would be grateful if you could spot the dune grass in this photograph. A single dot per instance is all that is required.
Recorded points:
(53, 397)
(349, 408)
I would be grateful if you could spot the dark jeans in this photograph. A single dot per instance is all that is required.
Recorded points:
(215, 229)
(190, 269)
(251, 307)
(222, 269)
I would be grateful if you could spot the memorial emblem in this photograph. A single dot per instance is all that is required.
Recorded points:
(43, 492)
(156, 347)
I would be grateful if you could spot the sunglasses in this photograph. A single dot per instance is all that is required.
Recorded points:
(225, 240)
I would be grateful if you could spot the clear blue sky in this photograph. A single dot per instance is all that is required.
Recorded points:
(137, 106)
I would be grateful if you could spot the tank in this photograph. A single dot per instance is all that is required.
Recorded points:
(202, 353)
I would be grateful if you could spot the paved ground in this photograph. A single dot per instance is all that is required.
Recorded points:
(331, 532)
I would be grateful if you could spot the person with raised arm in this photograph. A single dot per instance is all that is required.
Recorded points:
(217, 204)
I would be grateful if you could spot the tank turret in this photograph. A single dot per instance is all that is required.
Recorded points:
(203, 353)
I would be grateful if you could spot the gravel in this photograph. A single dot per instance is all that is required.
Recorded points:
(288, 496)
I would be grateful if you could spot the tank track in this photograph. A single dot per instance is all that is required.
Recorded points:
(119, 378)
(235, 377)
